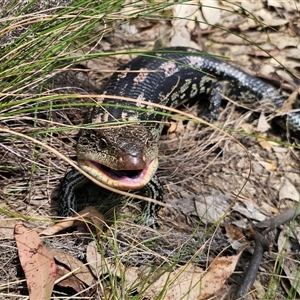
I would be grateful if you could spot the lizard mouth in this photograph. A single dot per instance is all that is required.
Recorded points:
(120, 179)
(119, 174)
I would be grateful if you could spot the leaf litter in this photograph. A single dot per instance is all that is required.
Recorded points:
(225, 167)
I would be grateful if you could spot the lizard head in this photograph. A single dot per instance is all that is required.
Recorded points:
(123, 156)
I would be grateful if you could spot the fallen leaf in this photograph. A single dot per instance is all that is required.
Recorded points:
(59, 226)
(183, 283)
(265, 144)
(289, 264)
(211, 11)
(101, 265)
(291, 269)
(263, 125)
(258, 290)
(211, 208)
(191, 282)
(268, 18)
(183, 13)
(75, 267)
(69, 281)
(186, 282)
(132, 276)
(288, 104)
(288, 191)
(176, 127)
(37, 262)
(191, 126)
(7, 227)
(284, 243)
(280, 152)
(267, 165)
(89, 214)
(183, 22)
(234, 232)
(218, 272)
(249, 210)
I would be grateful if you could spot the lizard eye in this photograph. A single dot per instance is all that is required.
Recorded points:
(103, 143)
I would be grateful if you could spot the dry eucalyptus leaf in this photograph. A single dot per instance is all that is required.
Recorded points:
(70, 280)
(248, 24)
(266, 145)
(283, 241)
(259, 290)
(248, 128)
(289, 265)
(89, 214)
(249, 210)
(211, 11)
(291, 269)
(288, 191)
(267, 165)
(101, 265)
(288, 5)
(234, 232)
(37, 263)
(191, 282)
(201, 21)
(57, 227)
(288, 105)
(266, 70)
(228, 38)
(295, 55)
(211, 208)
(280, 152)
(251, 6)
(191, 126)
(191, 25)
(180, 37)
(7, 227)
(183, 13)
(218, 272)
(268, 18)
(176, 127)
(78, 269)
(183, 283)
(263, 125)
(132, 276)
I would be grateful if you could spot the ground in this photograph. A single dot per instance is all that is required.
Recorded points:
(217, 185)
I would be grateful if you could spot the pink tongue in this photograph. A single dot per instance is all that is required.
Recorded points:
(122, 174)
